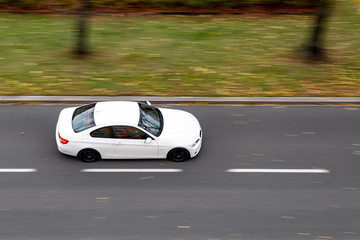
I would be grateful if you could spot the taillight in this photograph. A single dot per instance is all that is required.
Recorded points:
(63, 140)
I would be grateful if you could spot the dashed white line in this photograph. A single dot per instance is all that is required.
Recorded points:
(171, 170)
(17, 170)
(253, 170)
(131, 170)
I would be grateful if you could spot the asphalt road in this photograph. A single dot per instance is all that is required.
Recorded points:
(56, 200)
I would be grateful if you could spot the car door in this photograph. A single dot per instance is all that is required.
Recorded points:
(102, 140)
(130, 142)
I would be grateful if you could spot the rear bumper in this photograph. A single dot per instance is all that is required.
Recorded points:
(66, 149)
(64, 128)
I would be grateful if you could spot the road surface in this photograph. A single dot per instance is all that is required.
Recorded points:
(222, 194)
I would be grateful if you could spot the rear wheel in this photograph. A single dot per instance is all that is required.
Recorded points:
(89, 155)
(178, 155)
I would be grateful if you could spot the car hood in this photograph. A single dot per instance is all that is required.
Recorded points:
(180, 125)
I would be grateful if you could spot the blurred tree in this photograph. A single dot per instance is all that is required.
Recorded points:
(314, 49)
(82, 46)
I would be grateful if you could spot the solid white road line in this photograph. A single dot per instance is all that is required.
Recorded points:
(17, 170)
(131, 170)
(253, 170)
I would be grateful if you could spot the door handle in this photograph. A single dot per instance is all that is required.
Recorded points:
(118, 143)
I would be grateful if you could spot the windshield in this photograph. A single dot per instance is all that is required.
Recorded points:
(150, 119)
(83, 118)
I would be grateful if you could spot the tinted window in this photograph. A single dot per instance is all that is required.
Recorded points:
(127, 132)
(104, 132)
(83, 118)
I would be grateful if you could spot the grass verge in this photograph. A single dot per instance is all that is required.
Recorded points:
(220, 55)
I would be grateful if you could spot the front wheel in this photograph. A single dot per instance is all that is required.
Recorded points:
(178, 155)
(89, 155)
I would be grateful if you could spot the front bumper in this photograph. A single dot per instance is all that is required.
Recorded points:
(194, 151)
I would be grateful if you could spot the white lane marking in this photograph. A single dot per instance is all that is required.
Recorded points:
(253, 170)
(17, 170)
(131, 170)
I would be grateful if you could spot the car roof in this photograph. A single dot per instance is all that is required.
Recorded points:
(116, 113)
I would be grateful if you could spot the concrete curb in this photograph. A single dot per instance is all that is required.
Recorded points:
(189, 100)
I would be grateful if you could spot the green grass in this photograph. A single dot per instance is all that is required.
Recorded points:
(224, 55)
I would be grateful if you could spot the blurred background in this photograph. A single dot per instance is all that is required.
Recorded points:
(180, 47)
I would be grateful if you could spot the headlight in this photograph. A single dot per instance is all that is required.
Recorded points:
(194, 144)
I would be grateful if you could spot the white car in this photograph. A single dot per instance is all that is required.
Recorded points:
(127, 130)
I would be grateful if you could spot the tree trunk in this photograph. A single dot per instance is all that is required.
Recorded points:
(82, 46)
(314, 48)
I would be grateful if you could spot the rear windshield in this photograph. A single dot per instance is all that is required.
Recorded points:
(83, 118)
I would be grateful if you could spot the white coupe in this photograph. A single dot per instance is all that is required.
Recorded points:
(127, 130)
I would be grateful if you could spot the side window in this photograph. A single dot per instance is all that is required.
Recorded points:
(127, 132)
(104, 132)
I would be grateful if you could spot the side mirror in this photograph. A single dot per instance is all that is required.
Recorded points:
(148, 103)
(148, 140)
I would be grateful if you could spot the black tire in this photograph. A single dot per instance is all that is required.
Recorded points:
(89, 155)
(178, 155)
